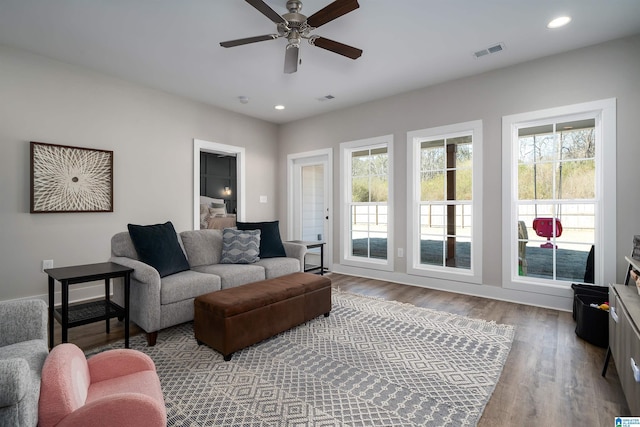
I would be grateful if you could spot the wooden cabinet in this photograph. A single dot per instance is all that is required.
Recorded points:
(624, 340)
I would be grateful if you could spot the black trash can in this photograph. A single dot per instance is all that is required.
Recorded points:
(592, 323)
(589, 290)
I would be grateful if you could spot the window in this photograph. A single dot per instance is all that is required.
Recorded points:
(366, 207)
(556, 207)
(445, 189)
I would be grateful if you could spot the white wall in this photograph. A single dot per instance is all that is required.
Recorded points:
(151, 134)
(609, 70)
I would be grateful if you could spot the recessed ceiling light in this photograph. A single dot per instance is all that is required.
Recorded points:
(279, 107)
(559, 22)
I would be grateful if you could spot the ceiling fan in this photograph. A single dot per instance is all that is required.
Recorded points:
(296, 26)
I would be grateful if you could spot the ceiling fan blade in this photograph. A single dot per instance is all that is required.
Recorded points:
(332, 11)
(240, 42)
(337, 47)
(291, 59)
(267, 11)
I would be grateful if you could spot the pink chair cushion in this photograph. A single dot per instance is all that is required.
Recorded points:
(145, 382)
(116, 363)
(116, 387)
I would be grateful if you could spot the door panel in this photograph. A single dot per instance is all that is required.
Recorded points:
(310, 210)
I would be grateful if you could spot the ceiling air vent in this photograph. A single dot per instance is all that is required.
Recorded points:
(325, 98)
(498, 47)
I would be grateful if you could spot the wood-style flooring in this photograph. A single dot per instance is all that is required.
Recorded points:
(551, 377)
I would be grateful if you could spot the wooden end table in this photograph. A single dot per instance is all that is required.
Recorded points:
(84, 313)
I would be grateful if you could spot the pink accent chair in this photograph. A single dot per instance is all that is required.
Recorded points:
(113, 388)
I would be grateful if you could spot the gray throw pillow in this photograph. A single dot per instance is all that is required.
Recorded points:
(240, 246)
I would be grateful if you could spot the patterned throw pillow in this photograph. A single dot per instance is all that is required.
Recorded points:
(270, 242)
(240, 246)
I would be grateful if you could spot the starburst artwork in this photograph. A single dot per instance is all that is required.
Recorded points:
(70, 179)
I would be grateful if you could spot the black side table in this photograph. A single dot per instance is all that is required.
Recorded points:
(311, 245)
(84, 313)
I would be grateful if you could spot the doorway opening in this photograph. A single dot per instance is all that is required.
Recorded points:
(309, 202)
(222, 150)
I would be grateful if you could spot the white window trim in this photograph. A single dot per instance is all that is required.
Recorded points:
(474, 274)
(605, 238)
(345, 215)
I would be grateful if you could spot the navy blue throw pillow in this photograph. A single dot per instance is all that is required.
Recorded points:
(270, 243)
(157, 245)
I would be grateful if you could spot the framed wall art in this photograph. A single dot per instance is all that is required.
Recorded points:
(70, 179)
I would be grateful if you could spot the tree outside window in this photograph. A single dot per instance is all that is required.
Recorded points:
(556, 204)
(446, 201)
(368, 205)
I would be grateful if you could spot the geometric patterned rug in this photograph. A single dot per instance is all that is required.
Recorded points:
(370, 363)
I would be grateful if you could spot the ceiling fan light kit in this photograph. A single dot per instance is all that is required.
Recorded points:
(294, 26)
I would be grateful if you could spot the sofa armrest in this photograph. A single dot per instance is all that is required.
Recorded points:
(142, 272)
(295, 250)
(146, 285)
(15, 379)
(23, 320)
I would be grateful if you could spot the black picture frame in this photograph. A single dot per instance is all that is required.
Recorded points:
(70, 179)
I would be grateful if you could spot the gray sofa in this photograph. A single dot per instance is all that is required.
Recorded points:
(157, 303)
(23, 350)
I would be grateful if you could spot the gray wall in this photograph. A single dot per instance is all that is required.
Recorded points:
(151, 134)
(609, 70)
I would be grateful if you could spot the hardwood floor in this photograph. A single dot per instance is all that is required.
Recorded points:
(551, 378)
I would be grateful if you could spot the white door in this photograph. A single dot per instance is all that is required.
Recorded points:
(310, 179)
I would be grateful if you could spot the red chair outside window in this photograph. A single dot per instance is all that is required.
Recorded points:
(544, 227)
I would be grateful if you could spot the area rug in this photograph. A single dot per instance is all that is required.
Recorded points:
(370, 363)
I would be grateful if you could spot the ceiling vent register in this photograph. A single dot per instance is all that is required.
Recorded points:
(499, 47)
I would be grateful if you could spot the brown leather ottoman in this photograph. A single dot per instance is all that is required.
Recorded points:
(232, 319)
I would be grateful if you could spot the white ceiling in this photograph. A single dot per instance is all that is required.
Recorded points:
(173, 45)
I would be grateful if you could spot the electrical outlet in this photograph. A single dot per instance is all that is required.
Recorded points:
(47, 263)
(400, 252)
(263, 199)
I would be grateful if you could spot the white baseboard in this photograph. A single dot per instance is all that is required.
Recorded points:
(77, 293)
(485, 291)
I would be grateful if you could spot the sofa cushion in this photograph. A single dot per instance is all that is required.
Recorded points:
(187, 285)
(270, 242)
(203, 247)
(232, 275)
(240, 246)
(158, 246)
(276, 267)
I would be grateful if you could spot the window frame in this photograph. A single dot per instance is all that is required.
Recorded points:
(346, 149)
(414, 140)
(604, 113)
